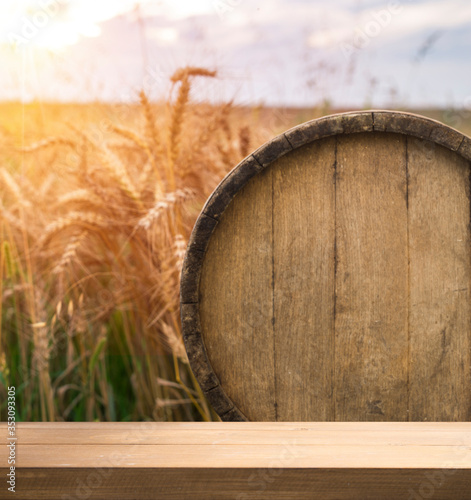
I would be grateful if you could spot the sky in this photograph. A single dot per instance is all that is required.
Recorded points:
(401, 53)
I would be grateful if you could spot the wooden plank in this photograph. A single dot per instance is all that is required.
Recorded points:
(241, 456)
(156, 433)
(243, 484)
(245, 426)
(304, 234)
(371, 339)
(365, 453)
(315, 460)
(440, 270)
(311, 444)
(236, 300)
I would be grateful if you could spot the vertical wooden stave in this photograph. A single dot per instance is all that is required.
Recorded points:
(371, 330)
(440, 268)
(304, 234)
(236, 300)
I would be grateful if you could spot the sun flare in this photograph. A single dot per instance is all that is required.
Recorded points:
(56, 24)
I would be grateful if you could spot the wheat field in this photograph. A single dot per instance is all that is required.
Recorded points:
(97, 203)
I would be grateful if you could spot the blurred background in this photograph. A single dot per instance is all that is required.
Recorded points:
(117, 120)
(275, 53)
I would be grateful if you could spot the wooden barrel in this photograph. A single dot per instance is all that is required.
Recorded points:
(328, 276)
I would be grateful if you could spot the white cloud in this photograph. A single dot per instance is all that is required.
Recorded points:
(388, 23)
(177, 9)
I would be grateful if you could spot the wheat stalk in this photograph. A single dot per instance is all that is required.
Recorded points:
(70, 253)
(183, 76)
(86, 220)
(48, 143)
(151, 130)
(189, 71)
(80, 196)
(119, 173)
(129, 134)
(167, 202)
(13, 187)
(244, 141)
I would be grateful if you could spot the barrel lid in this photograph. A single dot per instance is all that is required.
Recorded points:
(283, 144)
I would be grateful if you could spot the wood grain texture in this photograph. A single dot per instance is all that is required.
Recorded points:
(242, 484)
(344, 334)
(314, 445)
(371, 279)
(440, 270)
(322, 460)
(465, 148)
(247, 433)
(328, 126)
(239, 456)
(404, 123)
(236, 300)
(304, 239)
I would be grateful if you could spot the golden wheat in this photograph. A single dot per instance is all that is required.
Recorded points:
(151, 130)
(188, 71)
(80, 196)
(48, 143)
(73, 219)
(93, 245)
(12, 186)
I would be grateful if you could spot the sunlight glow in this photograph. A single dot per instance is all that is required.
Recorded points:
(179, 9)
(164, 36)
(55, 24)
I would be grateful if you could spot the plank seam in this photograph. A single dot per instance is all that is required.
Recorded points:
(469, 230)
(211, 217)
(273, 287)
(334, 392)
(289, 142)
(256, 160)
(408, 279)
